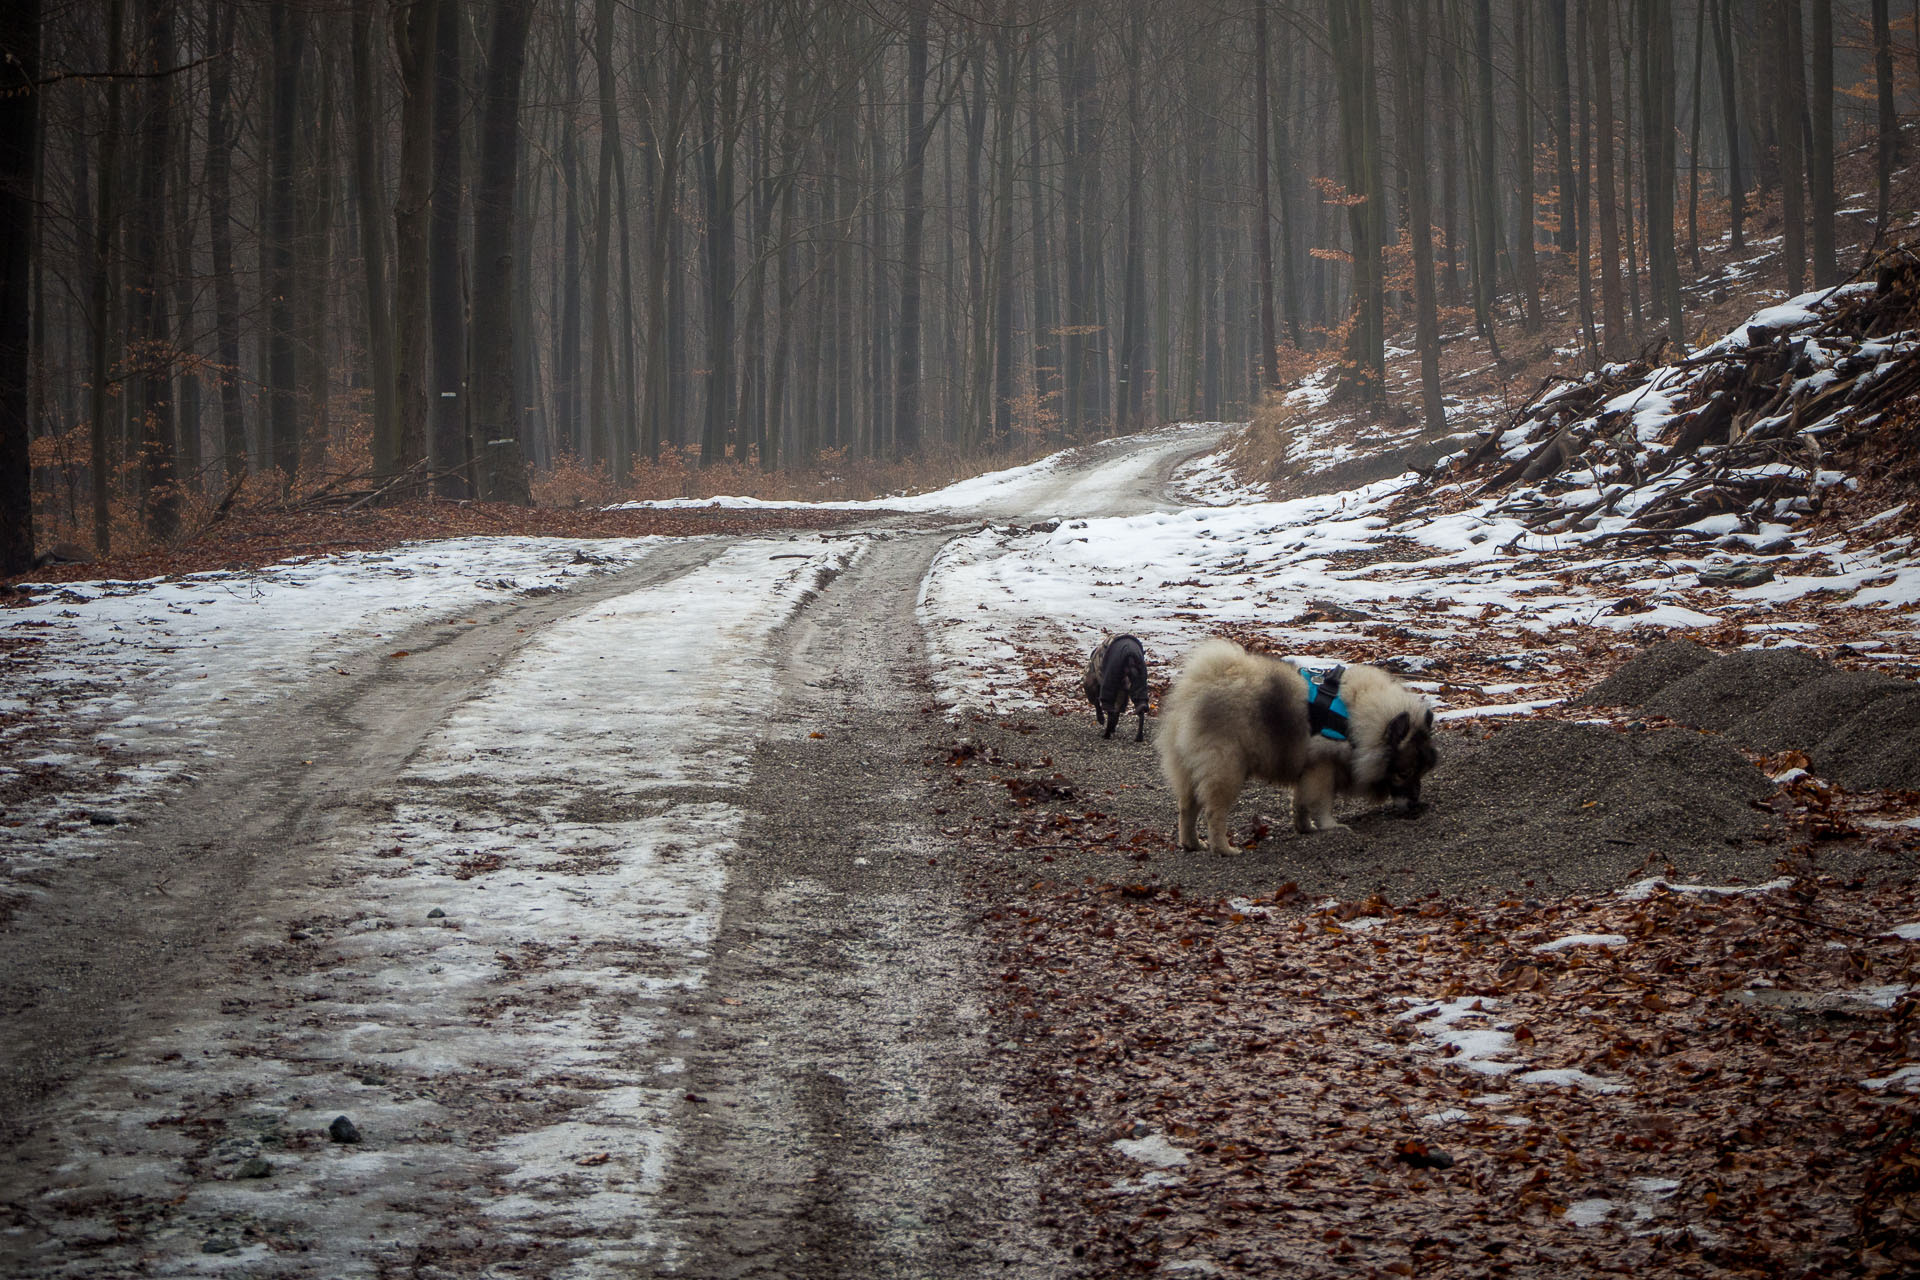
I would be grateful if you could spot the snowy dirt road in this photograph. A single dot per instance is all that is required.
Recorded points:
(614, 918)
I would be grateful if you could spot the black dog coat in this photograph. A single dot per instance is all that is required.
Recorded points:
(1123, 675)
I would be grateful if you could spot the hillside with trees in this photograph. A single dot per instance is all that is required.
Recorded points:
(280, 256)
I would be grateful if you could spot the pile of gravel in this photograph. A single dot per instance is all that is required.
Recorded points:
(1521, 807)
(1860, 729)
(1647, 674)
(1585, 806)
(1877, 749)
(1802, 717)
(1716, 695)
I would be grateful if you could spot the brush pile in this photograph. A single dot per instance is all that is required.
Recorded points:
(1737, 440)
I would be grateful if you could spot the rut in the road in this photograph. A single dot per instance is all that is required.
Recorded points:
(839, 1124)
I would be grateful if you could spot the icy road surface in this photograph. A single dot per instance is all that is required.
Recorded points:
(590, 882)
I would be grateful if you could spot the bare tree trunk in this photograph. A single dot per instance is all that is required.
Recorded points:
(449, 407)
(1289, 274)
(906, 396)
(976, 418)
(1612, 312)
(1486, 202)
(770, 450)
(19, 132)
(1046, 352)
(1657, 127)
(1820, 179)
(414, 22)
(1073, 168)
(1559, 81)
(1583, 237)
(1722, 11)
(1628, 12)
(1410, 37)
(845, 218)
(1095, 381)
(1001, 434)
(226, 290)
(496, 416)
(1133, 310)
(620, 435)
(1349, 31)
(1888, 140)
(1693, 136)
(1263, 236)
(312, 255)
(185, 282)
(1788, 106)
(105, 229)
(1451, 170)
(716, 179)
(146, 317)
(283, 408)
(576, 433)
(600, 344)
(879, 310)
(1526, 264)
(368, 192)
(668, 123)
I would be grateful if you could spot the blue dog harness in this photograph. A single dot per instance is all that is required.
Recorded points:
(1326, 709)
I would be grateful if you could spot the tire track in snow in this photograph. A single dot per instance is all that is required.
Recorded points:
(504, 1060)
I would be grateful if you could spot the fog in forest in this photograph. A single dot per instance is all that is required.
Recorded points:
(519, 249)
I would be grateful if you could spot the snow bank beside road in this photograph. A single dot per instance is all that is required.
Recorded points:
(1512, 566)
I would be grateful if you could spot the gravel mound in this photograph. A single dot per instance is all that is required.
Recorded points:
(1878, 747)
(1805, 715)
(1719, 694)
(1587, 806)
(1646, 674)
(1861, 729)
(1529, 806)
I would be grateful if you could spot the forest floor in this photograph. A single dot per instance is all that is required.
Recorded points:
(746, 891)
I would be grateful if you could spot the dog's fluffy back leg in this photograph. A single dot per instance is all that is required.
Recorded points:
(1218, 791)
(1189, 812)
(1313, 799)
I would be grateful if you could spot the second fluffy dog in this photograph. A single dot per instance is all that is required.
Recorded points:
(1234, 715)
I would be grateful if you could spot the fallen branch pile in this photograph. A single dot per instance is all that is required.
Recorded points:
(1741, 428)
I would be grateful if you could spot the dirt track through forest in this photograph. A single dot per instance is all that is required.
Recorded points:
(793, 1089)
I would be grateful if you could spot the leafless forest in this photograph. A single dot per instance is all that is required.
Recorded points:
(417, 246)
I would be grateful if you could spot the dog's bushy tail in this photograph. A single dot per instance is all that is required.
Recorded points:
(1213, 662)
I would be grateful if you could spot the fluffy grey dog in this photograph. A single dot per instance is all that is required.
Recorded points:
(1234, 715)
(1116, 672)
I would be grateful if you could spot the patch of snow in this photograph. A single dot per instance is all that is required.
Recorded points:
(1497, 709)
(1904, 1080)
(1475, 1048)
(1643, 889)
(1583, 940)
(1574, 1078)
(1154, 1150)
(1453, 1115)
(1587, 1213)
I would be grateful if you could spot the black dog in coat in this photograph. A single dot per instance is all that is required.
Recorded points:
(1116, 672)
